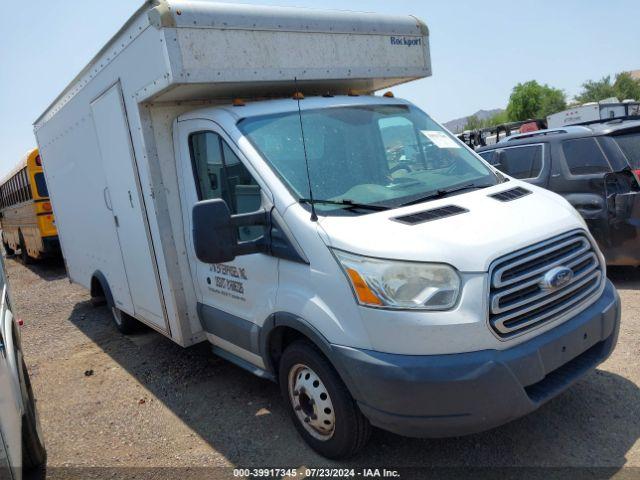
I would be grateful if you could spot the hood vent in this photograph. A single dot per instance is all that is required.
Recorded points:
(428, 215)
(510, 194)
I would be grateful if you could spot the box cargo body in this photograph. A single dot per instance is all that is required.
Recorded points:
(107, 145)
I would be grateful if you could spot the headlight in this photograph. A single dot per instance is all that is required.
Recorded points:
(396, 284)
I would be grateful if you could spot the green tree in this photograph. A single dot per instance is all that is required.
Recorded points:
(626, 86)
(532, 100)
(594, 91)
(473, 122)
(497, 119)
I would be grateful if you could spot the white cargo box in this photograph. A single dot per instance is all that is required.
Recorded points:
(106, 141)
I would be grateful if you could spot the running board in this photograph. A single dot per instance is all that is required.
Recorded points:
(242, 363)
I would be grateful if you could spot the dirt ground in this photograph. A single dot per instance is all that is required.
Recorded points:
(108, 400)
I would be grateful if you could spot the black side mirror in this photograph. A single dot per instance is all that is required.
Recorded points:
(215, 232)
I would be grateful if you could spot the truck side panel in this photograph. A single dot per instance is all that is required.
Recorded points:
(72, 161)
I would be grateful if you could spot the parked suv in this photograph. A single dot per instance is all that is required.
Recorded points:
(595, 167)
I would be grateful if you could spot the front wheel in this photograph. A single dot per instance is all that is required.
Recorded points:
(321, 407)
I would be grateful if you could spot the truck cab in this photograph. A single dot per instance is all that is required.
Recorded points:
(389, 260)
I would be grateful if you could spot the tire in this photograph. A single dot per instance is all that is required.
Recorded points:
(8, 250)
(124, 322)
(321, 407)
(24, 255)
(34, 453)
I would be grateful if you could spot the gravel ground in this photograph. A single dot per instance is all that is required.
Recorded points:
(108, 400)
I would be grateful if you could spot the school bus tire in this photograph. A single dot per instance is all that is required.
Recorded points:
(24, 253)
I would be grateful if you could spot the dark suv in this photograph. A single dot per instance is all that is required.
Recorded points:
(595, 167)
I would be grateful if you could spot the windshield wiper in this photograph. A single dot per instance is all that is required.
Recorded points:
(347, 203)
(442, 192)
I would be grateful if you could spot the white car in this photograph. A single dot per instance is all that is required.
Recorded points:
(21, 442)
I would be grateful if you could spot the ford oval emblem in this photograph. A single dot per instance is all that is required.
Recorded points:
(556, 278)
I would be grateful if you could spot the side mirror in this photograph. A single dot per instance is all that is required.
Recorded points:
(215, 232)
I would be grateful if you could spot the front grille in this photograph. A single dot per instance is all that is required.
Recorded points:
(520, 301)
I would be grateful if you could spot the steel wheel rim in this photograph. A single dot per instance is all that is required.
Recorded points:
(117, 315)
(311, 402)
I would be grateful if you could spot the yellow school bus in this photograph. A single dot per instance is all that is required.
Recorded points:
(26, 216)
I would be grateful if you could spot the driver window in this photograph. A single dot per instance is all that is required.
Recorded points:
(220, 174)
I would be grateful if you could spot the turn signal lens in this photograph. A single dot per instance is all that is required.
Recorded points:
(364, 293)
(46, 206)
(388, 94)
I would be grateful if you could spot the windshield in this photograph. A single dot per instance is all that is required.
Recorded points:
(629, 143)
(373, 154)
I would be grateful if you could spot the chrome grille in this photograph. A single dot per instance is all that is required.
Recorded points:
(520, 301)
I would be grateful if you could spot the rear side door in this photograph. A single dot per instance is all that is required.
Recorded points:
(123, 199)
(578, 171)
(622, 193)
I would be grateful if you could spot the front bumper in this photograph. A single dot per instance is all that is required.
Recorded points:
(458, 394)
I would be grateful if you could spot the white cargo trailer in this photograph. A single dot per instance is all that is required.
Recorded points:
(340, 243)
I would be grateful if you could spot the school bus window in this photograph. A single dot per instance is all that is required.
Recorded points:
(41, 185)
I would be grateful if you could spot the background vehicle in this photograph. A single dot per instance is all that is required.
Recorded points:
(603, 110)
(337, 242)
(595, 167)
(21, 442)
(492, 135)
(26, 215)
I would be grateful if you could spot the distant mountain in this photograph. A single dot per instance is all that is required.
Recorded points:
(458, 124)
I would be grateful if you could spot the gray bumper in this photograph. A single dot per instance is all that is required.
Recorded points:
(458, 394)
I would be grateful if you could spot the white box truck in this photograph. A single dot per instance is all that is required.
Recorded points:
(225, 173)
(608, 109)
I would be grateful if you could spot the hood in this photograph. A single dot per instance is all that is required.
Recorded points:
(469, 241)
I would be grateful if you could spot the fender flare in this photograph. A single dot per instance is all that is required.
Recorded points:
(285, 319)
(99, 276)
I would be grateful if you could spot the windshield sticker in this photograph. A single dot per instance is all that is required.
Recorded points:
(440, 139)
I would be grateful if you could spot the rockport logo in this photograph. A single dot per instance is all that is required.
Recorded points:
(408, 41)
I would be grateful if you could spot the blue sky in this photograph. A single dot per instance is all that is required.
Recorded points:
(480, 50)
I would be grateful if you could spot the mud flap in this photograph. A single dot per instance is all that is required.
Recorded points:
(622, 194)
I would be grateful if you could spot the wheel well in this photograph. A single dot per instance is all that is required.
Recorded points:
(279, 339)
(99, 289)
(96, 288)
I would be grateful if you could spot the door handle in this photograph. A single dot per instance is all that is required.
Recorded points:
(107, 198)
(130, 198)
